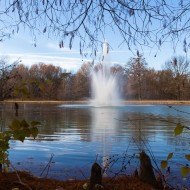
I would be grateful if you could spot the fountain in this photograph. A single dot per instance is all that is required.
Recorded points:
(105, 88)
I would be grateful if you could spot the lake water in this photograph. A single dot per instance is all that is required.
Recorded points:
(77, 135)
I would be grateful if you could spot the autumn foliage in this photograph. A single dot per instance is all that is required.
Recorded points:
(137, 81)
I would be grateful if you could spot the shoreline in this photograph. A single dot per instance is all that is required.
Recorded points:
(125, 102)
(29, 181)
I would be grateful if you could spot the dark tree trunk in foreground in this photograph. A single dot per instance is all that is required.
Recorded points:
(96, 176)
(146, 173)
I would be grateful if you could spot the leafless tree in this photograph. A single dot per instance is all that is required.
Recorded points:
(180, 68)
(138, 22)
(82, 81)
(7, 77)
(136, 68)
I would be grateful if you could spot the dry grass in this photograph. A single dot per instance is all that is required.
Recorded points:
(126, 102)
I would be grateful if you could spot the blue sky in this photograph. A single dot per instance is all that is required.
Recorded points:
(21, 46)
(47, 50)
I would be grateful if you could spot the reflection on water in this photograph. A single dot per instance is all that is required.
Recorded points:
(78, 135)
(103, 131)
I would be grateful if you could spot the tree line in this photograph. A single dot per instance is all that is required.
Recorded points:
(137, 81)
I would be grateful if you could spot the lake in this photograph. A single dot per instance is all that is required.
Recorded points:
(78, 135)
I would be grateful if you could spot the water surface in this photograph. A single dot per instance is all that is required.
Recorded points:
(77, 135)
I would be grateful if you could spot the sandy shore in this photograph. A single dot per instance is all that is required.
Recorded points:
(126, 102)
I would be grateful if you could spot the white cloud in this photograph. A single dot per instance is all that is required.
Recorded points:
(118, 51)
(55, 47)
(68, 63)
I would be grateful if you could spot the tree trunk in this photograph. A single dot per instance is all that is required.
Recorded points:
(96, 176)
(146, 173)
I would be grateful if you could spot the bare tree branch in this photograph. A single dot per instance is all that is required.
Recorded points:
(139, 22)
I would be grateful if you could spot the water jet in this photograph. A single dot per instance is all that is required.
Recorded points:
(105, 86)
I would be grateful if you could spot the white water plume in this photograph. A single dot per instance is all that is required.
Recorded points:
(105, 87)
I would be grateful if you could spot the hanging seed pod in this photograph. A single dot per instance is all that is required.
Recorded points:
(44, 30)
(80, 48)
(160, 42)
(37, 11)
(17, 30)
